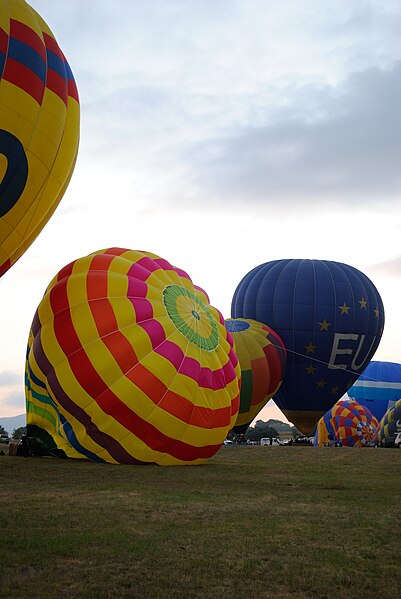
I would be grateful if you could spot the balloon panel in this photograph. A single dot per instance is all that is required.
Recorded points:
(378, 387)
(390, 424)
(127, 362)
(330, 317)
(262, 357)
(39, 127)
(348, 422)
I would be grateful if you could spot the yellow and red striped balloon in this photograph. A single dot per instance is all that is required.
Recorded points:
(128, 363)
(262, 357)
(39, 127)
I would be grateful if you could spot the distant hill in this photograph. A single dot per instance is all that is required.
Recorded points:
(281, 427)
(13, 422)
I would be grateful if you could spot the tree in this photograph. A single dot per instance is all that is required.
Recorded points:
(261, 429)
(3, 431)
(18, 432)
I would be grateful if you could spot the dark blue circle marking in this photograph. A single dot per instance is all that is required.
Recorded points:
(14, 181)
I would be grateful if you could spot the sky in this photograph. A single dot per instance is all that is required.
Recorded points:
(222, 134)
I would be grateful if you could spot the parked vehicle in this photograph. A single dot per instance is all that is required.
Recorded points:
(270, 441)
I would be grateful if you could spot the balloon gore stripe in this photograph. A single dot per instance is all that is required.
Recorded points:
(134, 384)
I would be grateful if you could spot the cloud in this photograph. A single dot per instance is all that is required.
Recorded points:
(336, 145)
(391, 268)
(9, 378)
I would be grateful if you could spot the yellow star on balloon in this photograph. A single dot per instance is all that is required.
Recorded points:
(324, 326)
(333, 390)
(344, 309)
(311, 369)
(310, 349)
(320, 384)
(363, 303)
(376, 311)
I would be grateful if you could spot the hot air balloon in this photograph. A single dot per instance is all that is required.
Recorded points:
(39, 127)
(330, 317)
(348, 422)
(389, 425)
(262, 358)
(378, 387)
(128, 363)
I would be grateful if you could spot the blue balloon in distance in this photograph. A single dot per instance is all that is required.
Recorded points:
(330, 317)
(378, 387)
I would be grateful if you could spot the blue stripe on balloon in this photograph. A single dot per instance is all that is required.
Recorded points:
(56, 64)
(27, 56)
(75, 443)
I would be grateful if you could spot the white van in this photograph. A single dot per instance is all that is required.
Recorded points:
(270, 441)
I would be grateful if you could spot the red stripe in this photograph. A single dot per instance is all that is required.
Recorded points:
(3, 41)
(176, 404)
(56, 84)
(51, 44)
(66, 271)
(25, 34)
(106, 323)
(24, 78)
(5, 266)
(92, 383)
(73, 90)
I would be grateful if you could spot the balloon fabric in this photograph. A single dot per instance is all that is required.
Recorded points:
(39, 127)
(262, 358)
(128, 363)
(330, 317)
(349, 423)
(378, 387)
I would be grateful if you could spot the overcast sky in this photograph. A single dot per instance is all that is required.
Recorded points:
(221, 134)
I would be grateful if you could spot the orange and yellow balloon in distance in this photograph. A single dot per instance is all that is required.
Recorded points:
(128, 363)
(262, 357)
(39, 127)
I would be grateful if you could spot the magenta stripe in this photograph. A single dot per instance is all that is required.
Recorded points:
(143, 309)
(205, 377)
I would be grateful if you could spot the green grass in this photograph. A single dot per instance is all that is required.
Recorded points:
(253, 522)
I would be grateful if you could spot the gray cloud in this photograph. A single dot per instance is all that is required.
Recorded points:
(338, 144)
(8, 378)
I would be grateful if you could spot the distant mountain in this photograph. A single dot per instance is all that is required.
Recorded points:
(13, 422)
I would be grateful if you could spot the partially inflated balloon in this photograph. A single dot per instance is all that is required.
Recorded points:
(39, 127)
(128, 363)
(378, 387)
(330, 317)
(390, 424)
(262, 358)
(348, 422)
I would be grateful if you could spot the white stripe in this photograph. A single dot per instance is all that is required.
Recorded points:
(377, 385)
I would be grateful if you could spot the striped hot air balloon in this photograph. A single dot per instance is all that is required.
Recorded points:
(39, 127)
(262, 357)
(349, 422)
(128, 363)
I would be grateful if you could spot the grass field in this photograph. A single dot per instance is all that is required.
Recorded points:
(253, 522)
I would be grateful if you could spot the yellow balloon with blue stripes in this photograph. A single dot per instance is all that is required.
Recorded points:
(39, 127)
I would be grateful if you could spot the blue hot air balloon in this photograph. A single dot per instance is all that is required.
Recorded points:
(330, 317)
(378, 387)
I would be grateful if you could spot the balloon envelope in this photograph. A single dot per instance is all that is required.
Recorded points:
(330, 317)
(378, 387)
(348, 422)
(390, 424)
(262, 358)
(39, 127)
(128, 363)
